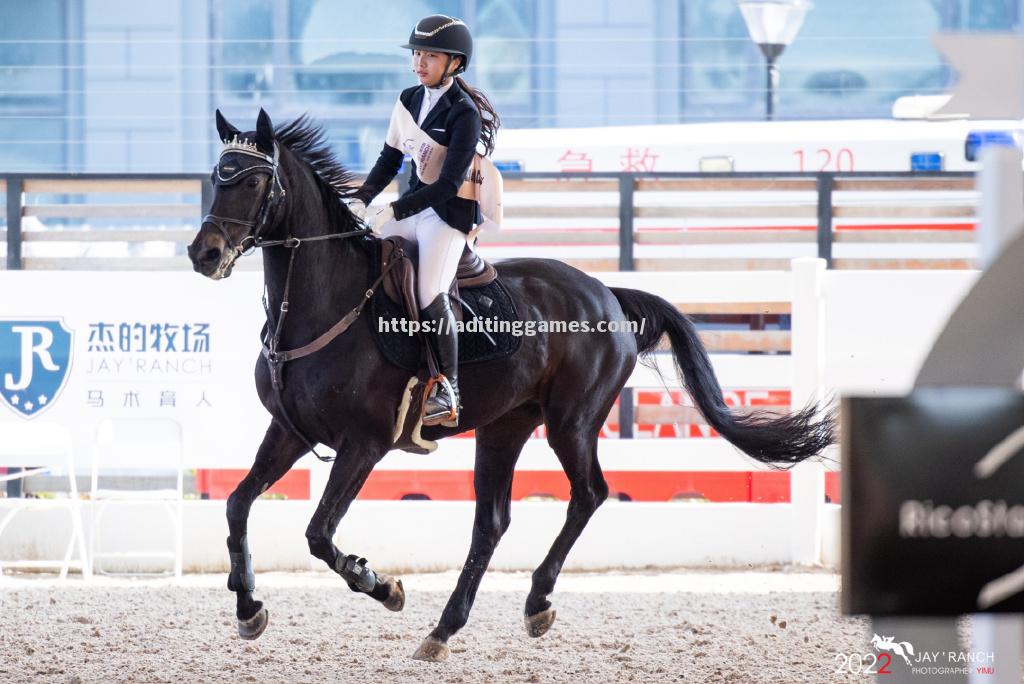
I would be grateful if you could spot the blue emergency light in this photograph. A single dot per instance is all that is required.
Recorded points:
(508, 166)
(926, 161)
(979, 139)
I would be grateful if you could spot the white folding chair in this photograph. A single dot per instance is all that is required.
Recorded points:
(137, 447)
(42, 448)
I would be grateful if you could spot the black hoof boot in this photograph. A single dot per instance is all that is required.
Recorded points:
(242, 581)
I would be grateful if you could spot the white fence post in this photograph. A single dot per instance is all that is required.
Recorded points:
(1001, 215)
(807, 480)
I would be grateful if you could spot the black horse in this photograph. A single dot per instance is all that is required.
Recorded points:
(282, 190)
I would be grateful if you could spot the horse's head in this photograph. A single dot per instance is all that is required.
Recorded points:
(247, 197)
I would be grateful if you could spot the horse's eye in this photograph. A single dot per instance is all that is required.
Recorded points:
(254, 181)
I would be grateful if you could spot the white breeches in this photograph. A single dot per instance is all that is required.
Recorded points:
(440, 248)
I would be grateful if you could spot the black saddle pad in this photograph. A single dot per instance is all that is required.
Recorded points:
(492, 301)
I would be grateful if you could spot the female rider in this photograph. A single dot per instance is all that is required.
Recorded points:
(439, 123)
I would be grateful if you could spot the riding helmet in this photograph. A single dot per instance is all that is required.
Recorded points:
(441, 33)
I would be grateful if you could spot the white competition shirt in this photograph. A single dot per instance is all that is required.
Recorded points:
(430, 98)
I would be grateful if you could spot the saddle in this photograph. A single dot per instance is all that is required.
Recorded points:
(400, 285)
(476, 287)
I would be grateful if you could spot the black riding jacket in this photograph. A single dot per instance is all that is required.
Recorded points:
(453, 122)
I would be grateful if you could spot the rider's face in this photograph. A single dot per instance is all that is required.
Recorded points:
(429, 66)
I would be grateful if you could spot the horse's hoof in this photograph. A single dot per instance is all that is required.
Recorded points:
(253, 627)
(537, 625)
(432, 651)
(396, 595)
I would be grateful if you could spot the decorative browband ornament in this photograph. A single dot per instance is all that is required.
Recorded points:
(241, 145)
(228, 174)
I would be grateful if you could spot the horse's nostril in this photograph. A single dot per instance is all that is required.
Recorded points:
(209, 255)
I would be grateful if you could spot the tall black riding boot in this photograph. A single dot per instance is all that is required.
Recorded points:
(442, 405)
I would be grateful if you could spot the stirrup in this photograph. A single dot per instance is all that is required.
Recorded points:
(449, 418)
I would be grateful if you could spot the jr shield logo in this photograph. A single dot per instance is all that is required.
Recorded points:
(35, 356)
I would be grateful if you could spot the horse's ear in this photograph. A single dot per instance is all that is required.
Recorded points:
(224, 129)
(264, 131)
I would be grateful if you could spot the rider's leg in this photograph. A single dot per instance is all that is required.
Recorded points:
(441, 249)
(442, 404)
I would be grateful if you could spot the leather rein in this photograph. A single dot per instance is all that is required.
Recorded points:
(275, 357)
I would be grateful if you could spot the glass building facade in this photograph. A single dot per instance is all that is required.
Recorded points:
(104, 85)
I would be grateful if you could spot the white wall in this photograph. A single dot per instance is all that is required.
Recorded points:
(877, 328)
(435, 535)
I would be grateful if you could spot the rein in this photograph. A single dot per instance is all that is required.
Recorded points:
(276, 358)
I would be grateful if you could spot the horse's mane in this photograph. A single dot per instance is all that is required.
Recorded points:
(307, 141)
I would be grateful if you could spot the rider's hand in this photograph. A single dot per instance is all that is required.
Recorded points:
(358, 209)
(383, 216)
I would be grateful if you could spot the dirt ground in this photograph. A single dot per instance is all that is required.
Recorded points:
(772, 625)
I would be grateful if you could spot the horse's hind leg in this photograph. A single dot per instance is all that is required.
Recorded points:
(277, 454)
(497, 450)
(350, 470)
(576, 449)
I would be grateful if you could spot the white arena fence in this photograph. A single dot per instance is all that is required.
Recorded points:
(595, 221)
(852, 332)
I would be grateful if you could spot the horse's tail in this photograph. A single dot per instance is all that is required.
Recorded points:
(767, 437)
(908, 647)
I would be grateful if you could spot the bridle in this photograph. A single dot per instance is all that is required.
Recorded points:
(276, 358)
(275, 194)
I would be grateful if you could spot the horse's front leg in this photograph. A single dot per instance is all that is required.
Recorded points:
(350, 470)
(497, 450)
(277, 454)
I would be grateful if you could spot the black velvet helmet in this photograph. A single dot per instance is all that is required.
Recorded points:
(441, 33)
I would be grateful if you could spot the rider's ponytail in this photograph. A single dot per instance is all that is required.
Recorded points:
(489, 119)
